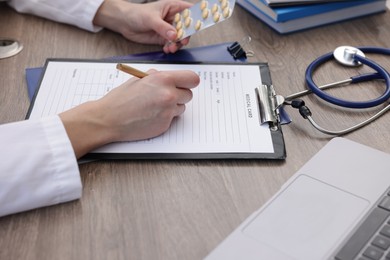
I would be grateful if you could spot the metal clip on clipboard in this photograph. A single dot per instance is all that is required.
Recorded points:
(237, 49)
(270, 105)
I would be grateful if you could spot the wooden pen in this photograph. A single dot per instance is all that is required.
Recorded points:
(131, 70)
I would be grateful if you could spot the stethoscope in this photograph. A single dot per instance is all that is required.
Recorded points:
(349, 56)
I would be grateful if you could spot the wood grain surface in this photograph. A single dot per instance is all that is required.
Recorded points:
(179, 209)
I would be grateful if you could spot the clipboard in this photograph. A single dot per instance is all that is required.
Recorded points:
(234, 74)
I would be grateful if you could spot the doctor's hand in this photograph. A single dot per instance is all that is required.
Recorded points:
(149, 23)
(136, 110)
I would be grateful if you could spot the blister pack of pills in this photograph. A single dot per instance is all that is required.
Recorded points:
(201, 15)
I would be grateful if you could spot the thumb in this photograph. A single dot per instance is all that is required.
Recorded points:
(161, 24)
(164, 29)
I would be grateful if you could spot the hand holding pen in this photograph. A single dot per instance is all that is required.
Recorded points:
(140, 108)
(149, 104)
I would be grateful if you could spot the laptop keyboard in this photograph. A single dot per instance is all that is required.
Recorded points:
(371, 241)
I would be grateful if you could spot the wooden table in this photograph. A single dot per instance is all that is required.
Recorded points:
(172, 209)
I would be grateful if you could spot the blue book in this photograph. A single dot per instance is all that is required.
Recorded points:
(287, 13)
(275, 3)
(306, 22)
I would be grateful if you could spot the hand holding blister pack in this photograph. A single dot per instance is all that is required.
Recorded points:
(202, 15)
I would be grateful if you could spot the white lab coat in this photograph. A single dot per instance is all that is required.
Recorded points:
(38, 166)
(79, 13)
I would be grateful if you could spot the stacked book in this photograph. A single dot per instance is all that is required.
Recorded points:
(286, 16)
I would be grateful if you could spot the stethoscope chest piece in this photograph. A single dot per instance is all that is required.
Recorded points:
(346, 55)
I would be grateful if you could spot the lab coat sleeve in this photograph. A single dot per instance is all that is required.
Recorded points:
(79, 13)
(38, 166)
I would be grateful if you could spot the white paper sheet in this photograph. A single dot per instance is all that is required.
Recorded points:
(223, 116)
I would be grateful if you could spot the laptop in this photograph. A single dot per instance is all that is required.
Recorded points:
(335, 207)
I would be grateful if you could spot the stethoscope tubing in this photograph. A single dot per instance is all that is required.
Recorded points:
(353, 79)
(380, 73)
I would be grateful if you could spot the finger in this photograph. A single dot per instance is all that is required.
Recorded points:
(185, 41)
(180, 109)
(164, 29)
(151, 71)
(172, 8)
(166, 48)
(173, 47)
(185, 96)
(169, 47)
(183, 78)
(162, 25)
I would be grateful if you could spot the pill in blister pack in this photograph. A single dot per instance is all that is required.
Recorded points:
(201, 15)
